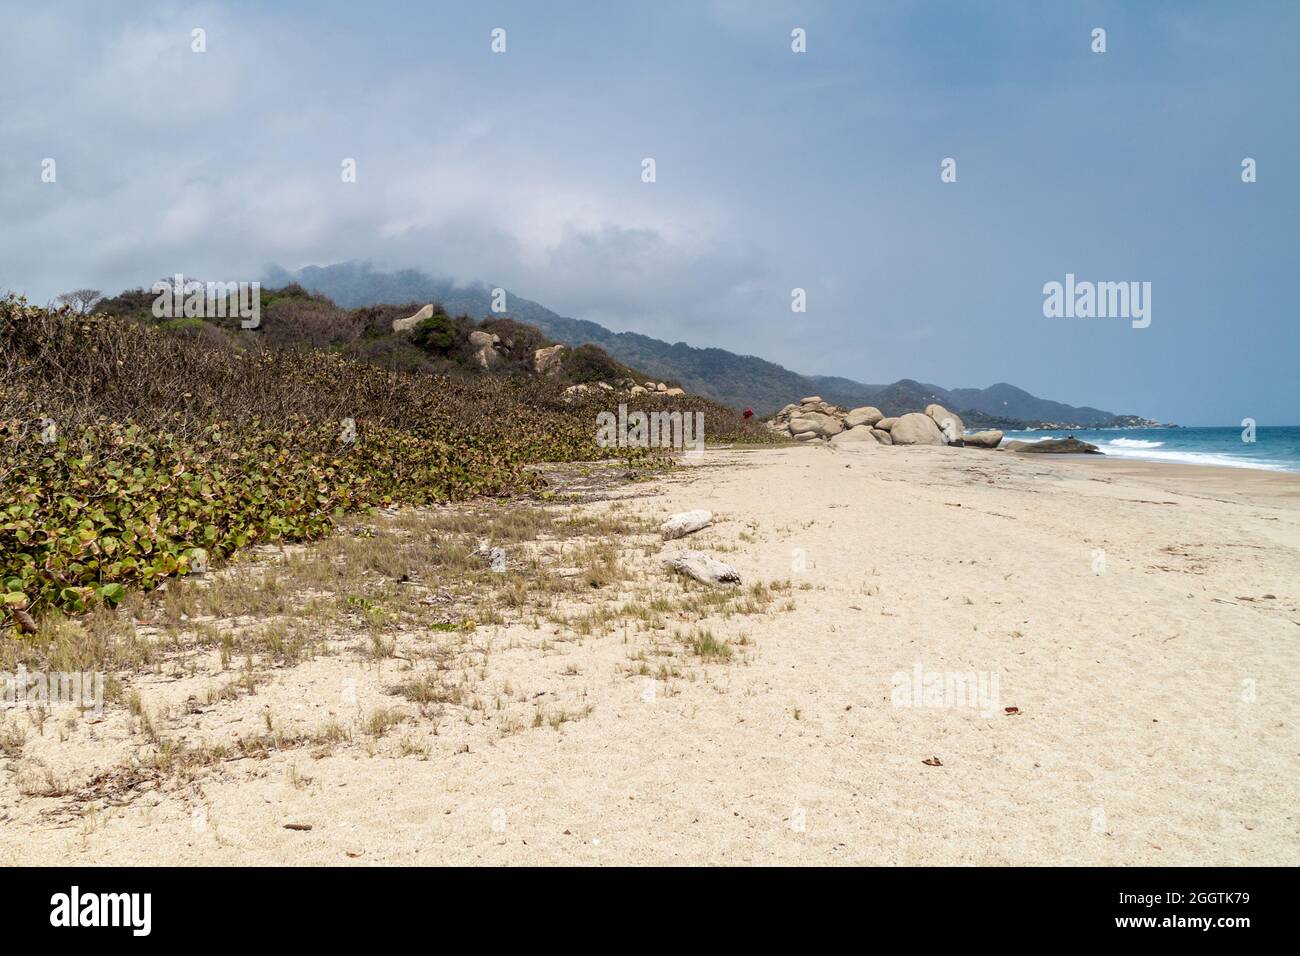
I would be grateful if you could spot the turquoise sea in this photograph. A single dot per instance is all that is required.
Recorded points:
(1275, 448)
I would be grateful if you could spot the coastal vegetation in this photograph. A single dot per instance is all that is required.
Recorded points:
(133, 450)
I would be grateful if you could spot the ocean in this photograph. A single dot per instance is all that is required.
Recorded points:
(1276, 448)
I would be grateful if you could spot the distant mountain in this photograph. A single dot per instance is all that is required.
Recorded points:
(736, 380)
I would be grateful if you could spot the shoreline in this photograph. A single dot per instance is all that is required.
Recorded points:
(1270, 483)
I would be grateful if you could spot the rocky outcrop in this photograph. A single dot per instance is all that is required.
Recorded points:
(949, 423)
(411, 321)
(547, 361)
(985, 439)
(916, 428)
(813, 420)
(820, 424)
(485, 347)
(1055, 446)
(856, 438)
(866, 415)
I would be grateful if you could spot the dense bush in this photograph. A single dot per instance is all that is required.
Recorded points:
(129, 452)
(161, 445)
(590, 363)
(435, 334)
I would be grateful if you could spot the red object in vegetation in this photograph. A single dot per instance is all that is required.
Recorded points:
(749, 413)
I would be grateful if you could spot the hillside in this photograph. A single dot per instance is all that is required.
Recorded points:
(736, 380)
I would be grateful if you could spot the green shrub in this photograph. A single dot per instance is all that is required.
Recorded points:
(436, 334)
(590, 363)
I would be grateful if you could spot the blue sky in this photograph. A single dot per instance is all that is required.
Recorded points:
(775, 170)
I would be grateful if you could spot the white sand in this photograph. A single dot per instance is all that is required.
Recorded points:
(1157, 709)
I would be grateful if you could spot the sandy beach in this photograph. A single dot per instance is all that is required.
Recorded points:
(1131, 633)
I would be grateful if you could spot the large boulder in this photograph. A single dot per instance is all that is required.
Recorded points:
(811, 400)
(675, 391)
(821, 425)
(948, 423)
(866, 415)
(478, 338)
(885, 424)
(985, 439)
(882, 436)
(855, 438)
(547, 361)
(916, 428)
(411, 321)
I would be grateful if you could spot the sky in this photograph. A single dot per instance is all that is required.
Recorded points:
(774, 171)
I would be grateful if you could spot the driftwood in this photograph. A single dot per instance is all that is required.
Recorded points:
(686, 522)
(701, 567)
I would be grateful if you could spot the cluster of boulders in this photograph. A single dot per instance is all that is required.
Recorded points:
(657, 389)
(488, 347)
(815, 420)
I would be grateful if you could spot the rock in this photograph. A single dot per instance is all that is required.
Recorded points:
(882, 436)
(866, 415)
(573, 391)
(487, 356)
(855, 437)
(916, 428)
(605, 385)
(985, 439)
(821, 425)
(1013, 445)
(811, 400)
(685, 522)
(649, 386)
(675, 391)
(480, 339)
(1059, 446)
(546, 361)
(411, 321)
(807, 436)
(661, 387)
(885, 424)
(949, 423)
(637, 390)
(701, 567)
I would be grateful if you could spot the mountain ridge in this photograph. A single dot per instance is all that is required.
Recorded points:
(728, 377)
